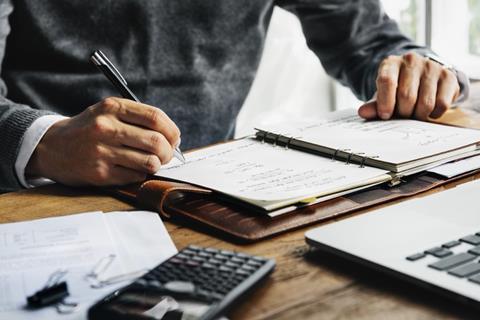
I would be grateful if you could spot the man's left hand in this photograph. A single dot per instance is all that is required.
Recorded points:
(411, 86)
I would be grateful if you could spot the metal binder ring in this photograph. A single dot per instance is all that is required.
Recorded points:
(264, 135)
(362, 165)
(362, 162)
(335, 155)
(288, 143)
(349, 158)
(276, 139)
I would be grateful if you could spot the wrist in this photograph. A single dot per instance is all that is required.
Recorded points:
(41, 158)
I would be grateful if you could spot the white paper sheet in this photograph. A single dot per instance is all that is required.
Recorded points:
(257, 172)
(456, 168)
(393, 141)
(30, 251)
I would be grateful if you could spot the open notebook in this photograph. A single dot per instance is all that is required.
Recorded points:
(276, 178)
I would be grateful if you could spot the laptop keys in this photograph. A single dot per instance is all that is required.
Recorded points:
(465, 270)
(451, 244)
(475, 250)
(471, 239)
(452, 261)
(475, 279)
(439, 252)
(416, 256)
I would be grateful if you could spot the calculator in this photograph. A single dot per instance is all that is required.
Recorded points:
(196, 283)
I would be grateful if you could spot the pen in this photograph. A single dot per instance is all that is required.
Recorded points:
(111, 72)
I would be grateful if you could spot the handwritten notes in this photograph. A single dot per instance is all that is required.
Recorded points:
(393, 141)
(254, 171)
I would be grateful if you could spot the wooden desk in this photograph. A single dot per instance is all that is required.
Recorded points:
(306, 284)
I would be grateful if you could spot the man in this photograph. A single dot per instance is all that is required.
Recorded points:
(195, 60)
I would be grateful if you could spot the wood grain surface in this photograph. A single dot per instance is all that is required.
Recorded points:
(306, 284)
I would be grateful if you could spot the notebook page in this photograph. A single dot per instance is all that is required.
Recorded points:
(393, 141)
(249, 169)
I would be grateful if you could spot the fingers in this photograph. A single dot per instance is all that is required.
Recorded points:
(143, 115)
(408, 84)
(149, 141)
(120, 176)
(428, 90)
(387, 82)
(412, 86)
(368, 110)
(447, 92)
(134, 159)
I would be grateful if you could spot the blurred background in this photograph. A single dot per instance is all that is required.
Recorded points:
(291, 83)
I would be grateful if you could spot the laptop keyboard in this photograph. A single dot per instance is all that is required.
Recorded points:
(462, 264)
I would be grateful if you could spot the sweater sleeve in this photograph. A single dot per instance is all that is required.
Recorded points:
(351, 38)
(15, 118)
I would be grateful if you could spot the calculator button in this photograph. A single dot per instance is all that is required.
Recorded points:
(207, 265)
(227, 253)
(212, 250)
(181, 256)
(180, 286)
(154, 283)
(242, 256)
(242, 272)
(215, 261)
(189, 252)
(254, 263)
(220, 257)
(225, 269)
(198, 259)
(204, 254)
(248, 268)
(231, 264)
(193, 263)
(176, 260)
(259, 259)
(217, 296)
(141, 282)
(194, 248)
(237, 260)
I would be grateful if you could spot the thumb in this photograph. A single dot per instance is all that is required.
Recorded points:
(368, 110)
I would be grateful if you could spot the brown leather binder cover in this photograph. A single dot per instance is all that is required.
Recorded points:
(192, 205)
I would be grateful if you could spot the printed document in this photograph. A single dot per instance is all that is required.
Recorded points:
(31, 251)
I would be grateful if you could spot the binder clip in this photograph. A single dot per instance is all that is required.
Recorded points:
(53, 293)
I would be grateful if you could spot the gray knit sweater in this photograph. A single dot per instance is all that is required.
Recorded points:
(194, 59)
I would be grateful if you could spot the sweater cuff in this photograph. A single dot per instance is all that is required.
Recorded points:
(32, 137)
(13, 128)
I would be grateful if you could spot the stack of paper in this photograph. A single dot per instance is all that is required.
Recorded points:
(31, 251)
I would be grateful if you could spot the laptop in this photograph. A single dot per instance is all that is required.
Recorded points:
(433, 241)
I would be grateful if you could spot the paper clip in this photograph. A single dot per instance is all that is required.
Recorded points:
(54, 292)
(93, 277)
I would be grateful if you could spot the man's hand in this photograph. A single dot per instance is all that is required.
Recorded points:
(411, 86)
(115, 141)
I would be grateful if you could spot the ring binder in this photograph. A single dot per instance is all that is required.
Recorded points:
(264, 133)
(349, 158)
(334, 157)
(362, 162)
(287, 144)
(276, 138)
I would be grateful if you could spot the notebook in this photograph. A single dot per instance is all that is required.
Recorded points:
(395, 145)
(284, 168)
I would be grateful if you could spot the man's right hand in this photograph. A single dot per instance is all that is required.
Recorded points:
(116, 141)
